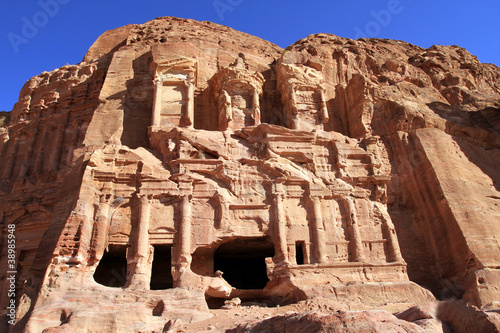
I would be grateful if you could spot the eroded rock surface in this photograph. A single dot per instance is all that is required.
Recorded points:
(182, 164)
(342, 322)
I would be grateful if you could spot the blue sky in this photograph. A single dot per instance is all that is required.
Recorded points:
(41, 35)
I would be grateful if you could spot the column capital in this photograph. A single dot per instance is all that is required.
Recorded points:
(277, 187)
(316, 191)
(144, 198)
(157, 81)
(315, 198)
(257, 89)
(185, 186)
(105, 198)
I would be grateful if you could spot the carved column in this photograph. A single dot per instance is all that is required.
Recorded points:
(220, 210)
(225, 110)
(354, 233)
(10, 158)
(256, 107)
(390, 231)
(141, 272)
(4, 137)
(228, 108)
(318, 228)
(185, 230)
(184, 244)
(294, 121)
(280, 234)
(372, 148)
(324, 109)
(155, 119)
(49, 163)
(84, 213)
(102, 227)
(190, 103)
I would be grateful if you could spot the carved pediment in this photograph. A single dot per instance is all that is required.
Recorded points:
(175, 68)
(162, 230)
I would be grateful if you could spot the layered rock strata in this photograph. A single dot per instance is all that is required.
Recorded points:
(183, 163)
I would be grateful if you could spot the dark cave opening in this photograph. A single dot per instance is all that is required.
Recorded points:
(112, 268)
(242, 262)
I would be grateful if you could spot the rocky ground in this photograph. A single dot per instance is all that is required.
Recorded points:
(320, 315)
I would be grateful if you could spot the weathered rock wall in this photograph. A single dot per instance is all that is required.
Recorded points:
(41, 166)
(437, 113)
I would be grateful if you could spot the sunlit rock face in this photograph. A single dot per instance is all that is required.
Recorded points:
(184, 163)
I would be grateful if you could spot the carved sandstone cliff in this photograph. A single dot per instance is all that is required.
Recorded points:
(183, 163)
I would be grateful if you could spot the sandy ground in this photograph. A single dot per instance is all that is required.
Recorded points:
(230, 318)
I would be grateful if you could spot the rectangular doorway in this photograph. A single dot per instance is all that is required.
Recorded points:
(161, 272)
(299, 252)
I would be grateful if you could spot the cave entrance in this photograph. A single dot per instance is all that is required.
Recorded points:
(243, 262)
(112, 268)
(161, 272)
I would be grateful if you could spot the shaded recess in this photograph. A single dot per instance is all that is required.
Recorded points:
(161, 272)
(243, 262)
(299, 252)
(138, 104)
(112, 268)
(4, 118)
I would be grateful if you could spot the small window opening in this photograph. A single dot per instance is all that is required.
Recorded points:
(161, 272)
(299, 252)
(112, 268)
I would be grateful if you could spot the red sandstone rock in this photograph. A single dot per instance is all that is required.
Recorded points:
(342, 322)
(466, 318)
(417, 313)
(183, 160)
(65, 328)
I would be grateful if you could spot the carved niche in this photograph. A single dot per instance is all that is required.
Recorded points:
(303, 96)
(175, 81)
(236, 94)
